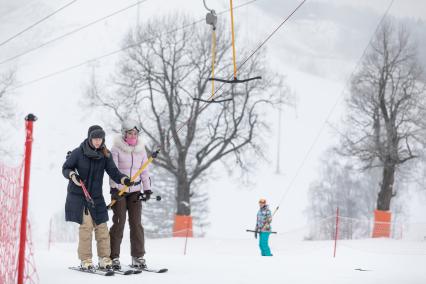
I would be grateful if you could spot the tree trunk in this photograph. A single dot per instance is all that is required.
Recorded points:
(182, 198)
(386, 190)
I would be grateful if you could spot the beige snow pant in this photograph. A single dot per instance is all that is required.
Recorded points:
(85, 238)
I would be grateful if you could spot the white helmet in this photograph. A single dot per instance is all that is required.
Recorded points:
(129, 125)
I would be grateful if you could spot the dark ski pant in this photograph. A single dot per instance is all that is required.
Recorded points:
(131, 204)
(263, 243)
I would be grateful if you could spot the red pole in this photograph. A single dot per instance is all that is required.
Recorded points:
(30, 118)
(337, 231)
(186, 238)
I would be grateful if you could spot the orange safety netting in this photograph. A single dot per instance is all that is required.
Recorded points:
(182, 226)
(382, 224)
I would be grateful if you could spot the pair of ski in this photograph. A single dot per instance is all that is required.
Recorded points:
(111, 272)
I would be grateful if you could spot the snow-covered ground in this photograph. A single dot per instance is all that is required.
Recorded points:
(209, 260)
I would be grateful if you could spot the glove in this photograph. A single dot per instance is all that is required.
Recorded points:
(127, 182)
(75, 178)
(147, 194)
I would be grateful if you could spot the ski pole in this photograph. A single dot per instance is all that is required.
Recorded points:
(86, 194)
(142, 197)
(124, 189)
(254, 231)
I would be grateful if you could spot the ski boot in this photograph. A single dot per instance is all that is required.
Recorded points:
(138, 262)
(87, 264)
(105, 263)
(116, 264)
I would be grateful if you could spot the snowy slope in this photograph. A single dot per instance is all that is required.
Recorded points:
(237, 261)
(312, 50)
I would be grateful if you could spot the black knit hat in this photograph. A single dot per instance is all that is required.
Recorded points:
(95, 131)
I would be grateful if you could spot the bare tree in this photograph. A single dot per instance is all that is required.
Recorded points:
(158, 216)
(7, 113)
(386, 109)
(6, 82)
(341, 185)
(161, 80)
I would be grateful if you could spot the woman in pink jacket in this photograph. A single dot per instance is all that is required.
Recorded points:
(129, 154)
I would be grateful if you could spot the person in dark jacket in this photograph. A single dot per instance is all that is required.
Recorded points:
(86, 164)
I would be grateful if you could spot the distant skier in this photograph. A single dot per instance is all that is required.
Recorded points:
(263, 227)
(128, 152)
(87, 164)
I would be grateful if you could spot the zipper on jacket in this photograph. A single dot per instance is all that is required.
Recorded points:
(131, 166)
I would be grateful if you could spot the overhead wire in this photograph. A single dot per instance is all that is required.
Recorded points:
(95, 59)
(37, 23)
(235, 80)
(206, 104)
(72, 32)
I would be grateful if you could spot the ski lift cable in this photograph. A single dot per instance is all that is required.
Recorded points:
(38, 22)
(262, 44)
(207, 8)
(333, 108)
(207, 103)
(211, 19)
(71, 32)
(234, 80)
(95, 59)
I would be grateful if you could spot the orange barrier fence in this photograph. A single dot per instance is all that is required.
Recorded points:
(382, 224)
(182, 226)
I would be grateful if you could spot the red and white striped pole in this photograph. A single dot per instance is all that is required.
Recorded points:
(336, 234)
(29, 120)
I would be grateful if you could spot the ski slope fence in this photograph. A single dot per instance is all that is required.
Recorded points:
(10, 216)
(352, 233)
(17, 263)
(313, 237)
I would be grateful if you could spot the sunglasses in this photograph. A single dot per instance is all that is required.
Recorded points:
(134, 128)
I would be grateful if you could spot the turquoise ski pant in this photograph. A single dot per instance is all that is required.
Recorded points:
(263, 243)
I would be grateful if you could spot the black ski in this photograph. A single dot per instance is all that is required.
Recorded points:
(161, 270)
(130, 268)
(93, 271)
(125, 272)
